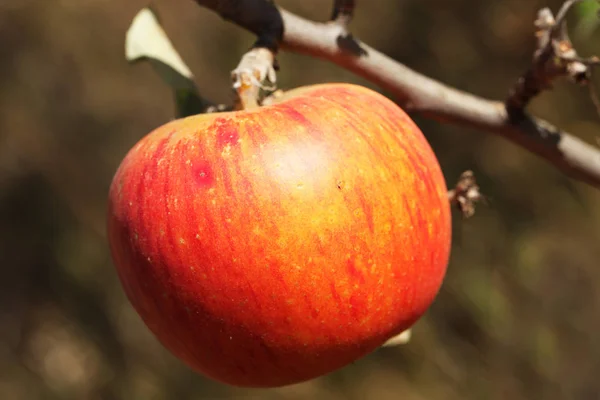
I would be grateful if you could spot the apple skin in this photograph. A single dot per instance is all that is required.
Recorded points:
(271, 246)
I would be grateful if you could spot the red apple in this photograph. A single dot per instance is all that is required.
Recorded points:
(270, 246)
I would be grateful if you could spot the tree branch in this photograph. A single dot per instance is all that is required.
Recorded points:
(414, 91)
(261, 17)
(554, 57)
(343, 11)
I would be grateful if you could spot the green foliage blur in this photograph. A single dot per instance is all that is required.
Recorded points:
(517, 317)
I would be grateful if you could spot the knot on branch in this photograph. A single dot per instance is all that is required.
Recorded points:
(553, 58)
(466, 194)
(343, 12)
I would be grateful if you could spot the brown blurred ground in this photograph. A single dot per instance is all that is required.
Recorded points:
(518, 315)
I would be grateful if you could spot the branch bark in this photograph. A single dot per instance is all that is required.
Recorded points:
(261, 17)
(414, 91)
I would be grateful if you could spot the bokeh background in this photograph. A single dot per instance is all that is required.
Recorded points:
(518, 316)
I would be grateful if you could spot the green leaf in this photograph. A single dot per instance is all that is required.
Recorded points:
(147, 41)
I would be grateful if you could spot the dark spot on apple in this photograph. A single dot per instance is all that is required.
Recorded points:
(203, 174)
(340, 184)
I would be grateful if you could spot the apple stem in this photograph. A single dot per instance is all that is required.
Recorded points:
(256, 67)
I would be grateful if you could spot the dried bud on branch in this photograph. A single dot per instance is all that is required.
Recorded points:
(466, 194)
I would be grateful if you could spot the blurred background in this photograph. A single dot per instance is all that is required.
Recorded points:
(517, 317)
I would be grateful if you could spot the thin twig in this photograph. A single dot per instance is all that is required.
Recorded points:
(561, 15)
(416, 92)
(554, 57)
